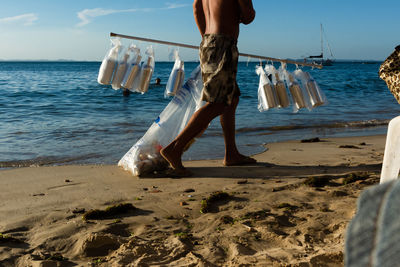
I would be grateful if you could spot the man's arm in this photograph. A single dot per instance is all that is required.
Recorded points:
(199, 16)
(247, 12)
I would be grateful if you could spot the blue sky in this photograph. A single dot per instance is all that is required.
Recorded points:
(79, 30)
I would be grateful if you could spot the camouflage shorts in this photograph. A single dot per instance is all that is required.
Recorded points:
(390, 73)
(218, 61)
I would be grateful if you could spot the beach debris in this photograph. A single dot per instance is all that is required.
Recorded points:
(44, 256)
(311, 140)
(357, 176)
(206, 204)
(110, 211)
(67, 180)
(38, 195)
(362, 144)
(242, 182)
(316, 181)
(183, 203)
(349, 146)
(8, 239)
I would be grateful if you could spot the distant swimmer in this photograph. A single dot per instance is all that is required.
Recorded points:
(158, 81)
(125, 92)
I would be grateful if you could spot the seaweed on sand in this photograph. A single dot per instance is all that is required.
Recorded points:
(96, 214)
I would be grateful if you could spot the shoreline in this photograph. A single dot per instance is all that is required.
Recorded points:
(271, 216)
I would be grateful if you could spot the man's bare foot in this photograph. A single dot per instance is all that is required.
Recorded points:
(174, 159)
(239, 160)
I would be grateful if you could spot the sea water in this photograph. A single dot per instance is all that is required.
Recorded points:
(57, 113)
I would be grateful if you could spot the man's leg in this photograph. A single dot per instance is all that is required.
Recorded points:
(199, 121)
(232, 155)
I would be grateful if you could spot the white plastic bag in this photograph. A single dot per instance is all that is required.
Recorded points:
(144, 157)
(266, 92)
(121, 68)
(146, 71)
(108, 64)
(316, 95)
(279, 85)
(299, 95)
(132, 75)
(176, 77)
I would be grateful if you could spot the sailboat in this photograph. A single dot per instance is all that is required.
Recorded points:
(325, 61)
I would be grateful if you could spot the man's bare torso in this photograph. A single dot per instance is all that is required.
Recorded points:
(222, 17)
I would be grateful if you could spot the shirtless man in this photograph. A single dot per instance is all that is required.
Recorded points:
(218, 22)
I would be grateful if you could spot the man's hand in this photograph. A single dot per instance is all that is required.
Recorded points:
(247, 12)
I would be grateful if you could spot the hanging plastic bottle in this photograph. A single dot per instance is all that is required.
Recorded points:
(133, 70)
(266, 92)
(176, 77)
(146, 71)
(108, 64)
(279, 85)
(121, 69)
(317, 97)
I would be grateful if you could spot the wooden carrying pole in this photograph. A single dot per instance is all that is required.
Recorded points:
(196, 47)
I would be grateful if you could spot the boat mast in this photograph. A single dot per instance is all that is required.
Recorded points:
(322, 42)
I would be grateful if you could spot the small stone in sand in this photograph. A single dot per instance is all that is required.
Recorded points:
(67, 180)
(242, 182)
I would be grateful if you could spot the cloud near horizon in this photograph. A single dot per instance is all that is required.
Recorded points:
(87, 15)
(25, 19)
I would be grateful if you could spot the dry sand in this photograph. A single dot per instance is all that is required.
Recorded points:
(269, 217)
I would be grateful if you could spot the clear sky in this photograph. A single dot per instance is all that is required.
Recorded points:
(79, 29)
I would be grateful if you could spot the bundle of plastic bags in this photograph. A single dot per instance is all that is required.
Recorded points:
(267, 97)
(131, 77)
(125, 70)
(273, 93)
(109, 62)
(317, 96)
(176, 77)
(279, 85)
(144, 157)
(146, 71)
(122, 67)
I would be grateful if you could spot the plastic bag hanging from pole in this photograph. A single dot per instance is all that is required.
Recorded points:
(279, 85)
(144, 157)
(296, 91)
(121, 68)
(176, 77)
(146, 71)
(132, 75)
(266, 92)
(316, 95)
(108, 64)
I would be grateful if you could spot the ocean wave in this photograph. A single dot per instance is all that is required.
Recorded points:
(47, 161)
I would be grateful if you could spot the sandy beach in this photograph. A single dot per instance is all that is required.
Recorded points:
(290, 209)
